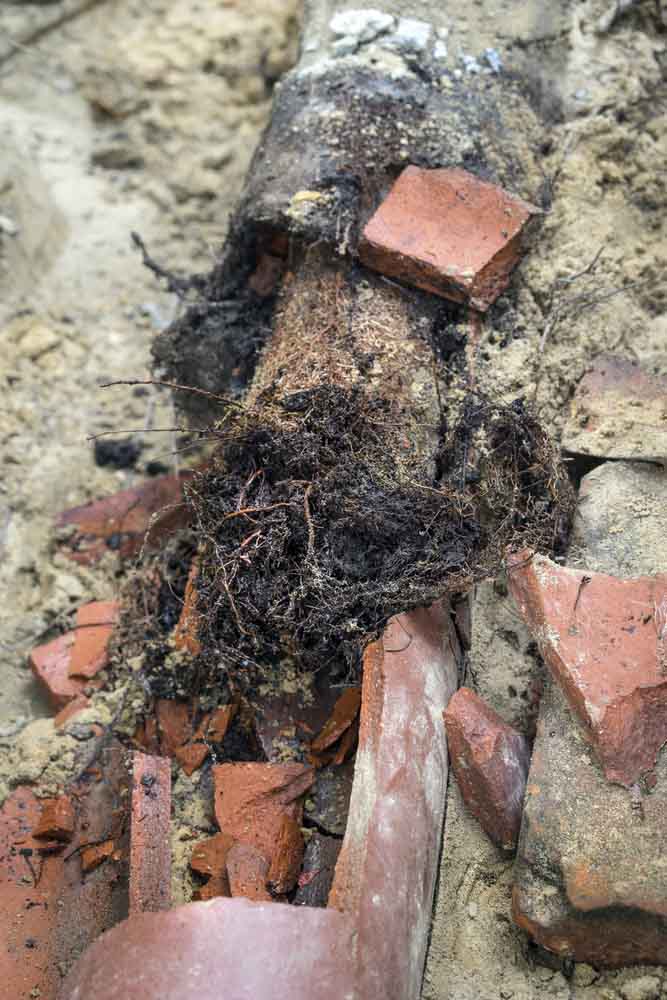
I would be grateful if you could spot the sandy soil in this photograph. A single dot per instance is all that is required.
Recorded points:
(143, 115)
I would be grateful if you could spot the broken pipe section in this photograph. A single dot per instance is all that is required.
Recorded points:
(370, 942)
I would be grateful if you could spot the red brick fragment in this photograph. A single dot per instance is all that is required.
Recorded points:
(50, 665)
(72, 708)
(251, 799)
(247, 869)
(448, 232)
(185, 633)
(216, 886)
(287, 857)
(96, 854)
(92, 632)
(191, 756)
(219, 723)
(344, 713)
(490, 760)
(150, 850)
(121, 523)
(605, 641)
(209, 857)
(174, 722)
(56, 821)
(618, 411)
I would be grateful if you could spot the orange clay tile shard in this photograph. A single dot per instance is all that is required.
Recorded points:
(209, 857)
(185, 633)
(56, 821)
(96, 854)
(72, 708)
(191, 756)
(449, 233)
(217, 885)
(247, 869)
(50, 665)
(219, 723)
(175, 724)
(287, 857)
(120, 523)
(92, 632)
(344, 713)
(251, 799)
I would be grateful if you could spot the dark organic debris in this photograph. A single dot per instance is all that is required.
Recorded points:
(120, 453)
(313, 537)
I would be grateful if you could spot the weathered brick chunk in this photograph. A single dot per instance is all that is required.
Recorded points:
(605, 641)
(590, 878)
(449, 233)
(490, 760)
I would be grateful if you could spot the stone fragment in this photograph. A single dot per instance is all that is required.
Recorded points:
(237, 949)
(287, 857)
(449, 233)
(247, 870)
(251, 799)
(490, 760)
(590, 882)
(122, 522)
(385, 876)
(621, 521)
(56, 821)
(186, 631)
(150, 849)
(92, 632)
(618, 411)
(317, 874)
(328, 801)
(361, 25)
(411, 35)
(605, 641)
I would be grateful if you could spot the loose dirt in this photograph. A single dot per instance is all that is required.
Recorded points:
(143, 116)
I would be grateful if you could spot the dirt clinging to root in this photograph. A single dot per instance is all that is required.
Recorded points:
(314, 532)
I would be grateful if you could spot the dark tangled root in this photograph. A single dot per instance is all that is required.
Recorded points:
(312, 535)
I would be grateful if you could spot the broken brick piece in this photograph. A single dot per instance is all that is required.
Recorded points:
(490, 760)
(247, 869)
(150, 850)
(605, 641)
(96, 854)
(50, 665)
(122, 522)
(219, 723)
(92, 632)
(191, 756)
(72, 708)
(287, 857)
(344, 713)
(185, 633)
(174, 722)
(448, 232)
(590, 883)
(618, 411)
(250, 800)
(216, 886)
(56, 821)
(209, 857)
